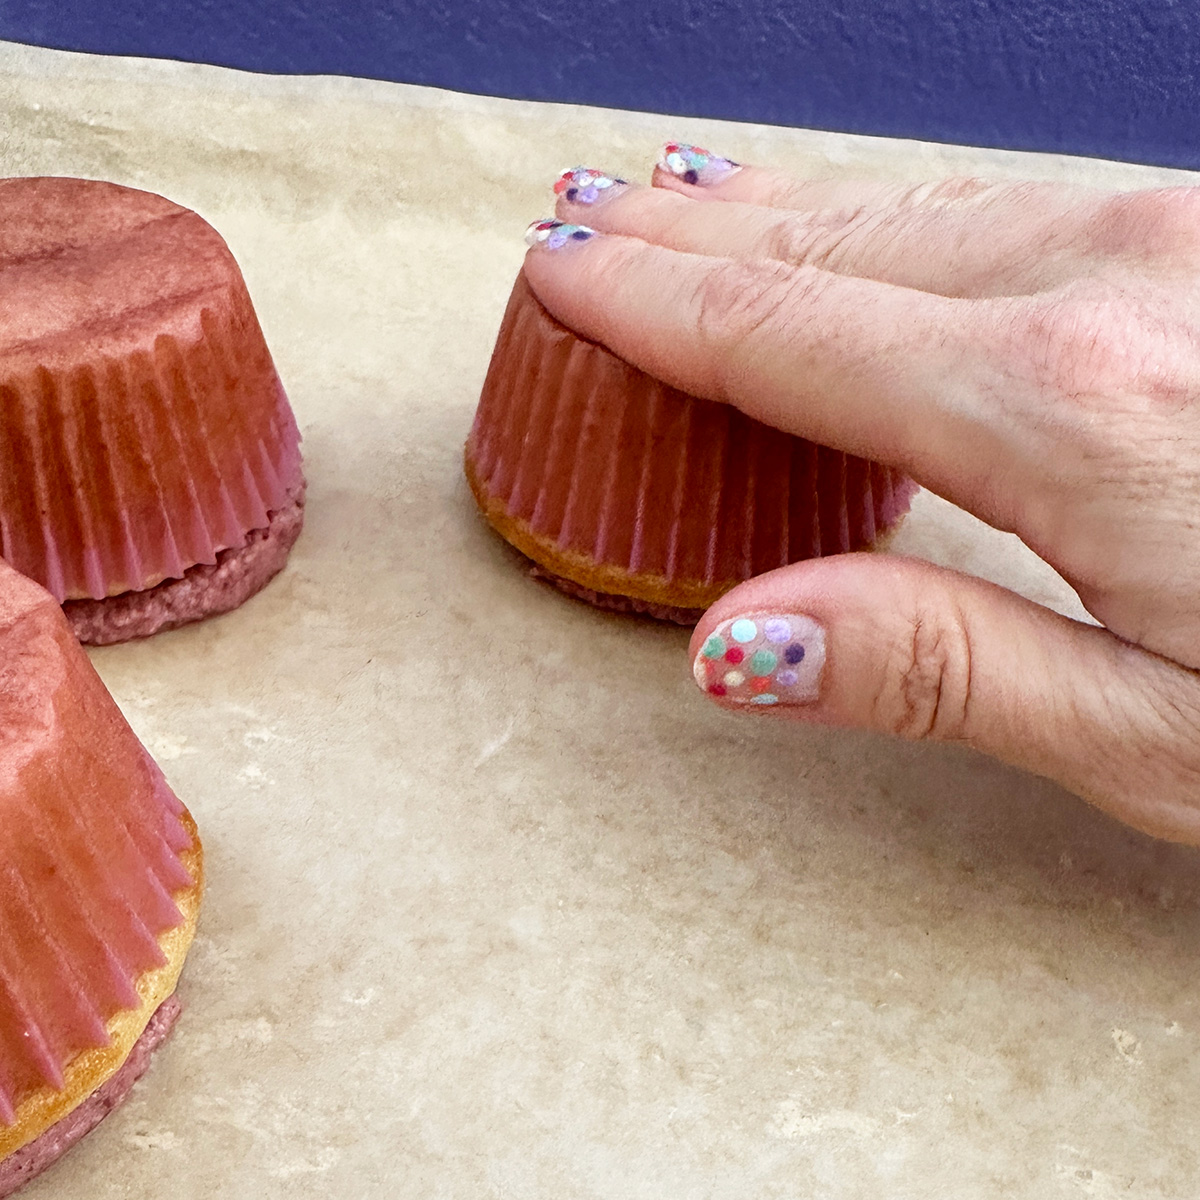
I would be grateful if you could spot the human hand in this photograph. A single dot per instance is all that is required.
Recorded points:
(1030, 352)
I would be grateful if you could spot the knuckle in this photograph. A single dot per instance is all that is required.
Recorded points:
(1158, 223)
(790, 240)
(819, 240)
(1152, 781)
(736, 302)
(926, 689)
(1085, 342)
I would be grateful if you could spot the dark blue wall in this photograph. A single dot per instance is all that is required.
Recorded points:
(1109, 77)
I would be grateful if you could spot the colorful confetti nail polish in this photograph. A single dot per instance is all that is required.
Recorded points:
(556, 234)
(583, 185)
(763, 659)
(694, 164)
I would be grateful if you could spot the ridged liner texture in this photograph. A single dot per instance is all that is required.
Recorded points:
(49, 1146)
(624, 487)
(143, 427)
(100, 873)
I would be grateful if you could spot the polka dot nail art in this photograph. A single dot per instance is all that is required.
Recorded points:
(582, 185)
(694, 164)
(556, 234)
(763, 659)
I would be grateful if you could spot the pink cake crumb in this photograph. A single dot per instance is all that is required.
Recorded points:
(204, 591)
(619, 604)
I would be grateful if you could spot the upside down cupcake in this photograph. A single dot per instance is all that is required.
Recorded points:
(149, 460)
(101, 874)
(635, 496)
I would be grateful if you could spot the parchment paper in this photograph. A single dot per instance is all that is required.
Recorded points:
(498, 905)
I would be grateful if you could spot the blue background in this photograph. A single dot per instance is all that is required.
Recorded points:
(1109, 77)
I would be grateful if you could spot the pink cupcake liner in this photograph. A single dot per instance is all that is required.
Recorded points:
(91, 839)
(612, 467)
(143, 427)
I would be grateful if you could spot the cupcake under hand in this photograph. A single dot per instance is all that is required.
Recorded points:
(1029, 351)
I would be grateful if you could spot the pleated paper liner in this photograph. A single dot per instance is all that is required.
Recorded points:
(99, 873)
(143, 427)
(621, 487)
(119, 474)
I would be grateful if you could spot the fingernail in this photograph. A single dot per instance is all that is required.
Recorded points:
(556, 234)
(694, 164)
(583, 185)
(763, 658)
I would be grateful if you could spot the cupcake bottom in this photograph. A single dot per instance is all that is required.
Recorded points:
(205, 590)
(602, 584)
(613, 588)
(612, 602)
(93, 1079)
(47, 1148)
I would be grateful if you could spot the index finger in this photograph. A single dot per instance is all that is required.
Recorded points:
(907, 378)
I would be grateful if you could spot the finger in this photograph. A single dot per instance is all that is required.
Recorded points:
(932, 251)
(901, 376)
(1030, 235)
(905, 648)
(700, 174)
(720, 178)
(666, 218)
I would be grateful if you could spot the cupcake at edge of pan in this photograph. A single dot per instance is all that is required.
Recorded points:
(637, 497)
(101, 871)
(150, 468)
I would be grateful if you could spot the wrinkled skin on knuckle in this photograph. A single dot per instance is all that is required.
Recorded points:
(1158, 224)
(791, 239)
(821, 239)
(1105, 397)
(1150, 779)
(1099, 376)
(1173, 791)
(1106, 390)
(1082, 343)
(741, 307)
(925, 689)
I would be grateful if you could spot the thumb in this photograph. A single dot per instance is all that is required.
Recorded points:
(899, 646)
